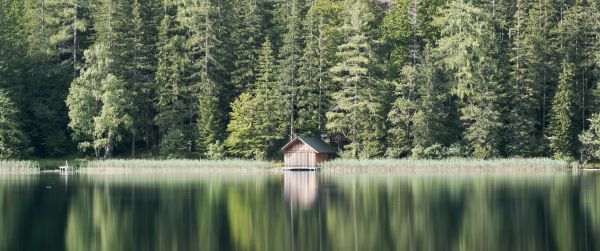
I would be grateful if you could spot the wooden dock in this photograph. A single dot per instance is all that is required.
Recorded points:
(301, 168)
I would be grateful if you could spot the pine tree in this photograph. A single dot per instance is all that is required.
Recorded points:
(356, 113)
(258, 116)
(575, 37)
(246, 36)
(172, 102)
(401, 115)
(525, 88)
(196, 16)
(143, 67)
(290, 54)
(468, 46)
(12, 139)
(435, 120)
(315, 80)
(561, 130)
(70, 20)
(538, 38)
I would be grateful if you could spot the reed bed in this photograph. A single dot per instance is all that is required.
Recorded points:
(452, 164)
(19, 167)
(174, 165)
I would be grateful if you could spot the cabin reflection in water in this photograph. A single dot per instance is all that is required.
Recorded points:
(300, 189)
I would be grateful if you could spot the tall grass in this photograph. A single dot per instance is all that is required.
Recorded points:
(175, 164)
(18, 167)
(452, 163)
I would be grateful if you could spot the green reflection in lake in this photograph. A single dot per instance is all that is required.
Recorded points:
(301, 211)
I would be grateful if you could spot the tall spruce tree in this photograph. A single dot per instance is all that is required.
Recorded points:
(70, 20)
(315, 80)
(435, 120)
(525, 85)
(143, 67)
(258, 116)
(357, 112)
(575, 37)
(561, 129)
(197, 18)
(246, 36)
(468, 46)
(289, 55)
(172, 100)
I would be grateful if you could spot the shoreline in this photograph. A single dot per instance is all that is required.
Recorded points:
(279, 170)
(338, 166)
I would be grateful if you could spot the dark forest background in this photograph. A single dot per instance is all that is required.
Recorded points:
(214, 78)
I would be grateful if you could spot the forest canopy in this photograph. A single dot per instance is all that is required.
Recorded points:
(238, 78)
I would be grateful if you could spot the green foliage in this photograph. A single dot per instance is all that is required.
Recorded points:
(172, 100)
(246, 36)
(376, 77)
(197, 18)
(356, 112)
(174, 144)
(115, 164)
(114, 117)
(18, 167)
(590, 139)
(469, 49)
(258, 116)
(216, 151)
(437, 151)
(526, 89)
(290, 53)
(13, 141)
(561, 130)
(401, 115)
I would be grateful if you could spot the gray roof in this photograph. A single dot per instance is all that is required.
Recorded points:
(315, 143)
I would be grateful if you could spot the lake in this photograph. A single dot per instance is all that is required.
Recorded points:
(301, 211)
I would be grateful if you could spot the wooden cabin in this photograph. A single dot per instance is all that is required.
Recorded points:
(305, 153)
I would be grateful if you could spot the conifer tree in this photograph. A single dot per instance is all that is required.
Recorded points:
(561, 130)
(314, 80)
(70, 19)
(172, 102)
(196, 17)
(525, 88)
(290, 54)
(435, 120)
(246, 36)
(356, 113)
(12, 139)
(401, 114)
(575, 37)
(258, 116)
(143, 67)
(468, 46)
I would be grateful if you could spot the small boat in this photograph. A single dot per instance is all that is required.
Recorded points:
(66, 168)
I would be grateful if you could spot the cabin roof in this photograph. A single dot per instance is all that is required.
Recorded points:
(317, 144)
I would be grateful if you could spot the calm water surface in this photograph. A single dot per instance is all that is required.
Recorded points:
(301, 211)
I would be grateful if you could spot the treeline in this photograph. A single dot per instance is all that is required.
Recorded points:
(207, 78)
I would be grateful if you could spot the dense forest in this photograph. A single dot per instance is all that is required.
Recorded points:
(238, 78)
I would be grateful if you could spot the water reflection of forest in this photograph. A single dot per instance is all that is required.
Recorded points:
(302, 212)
